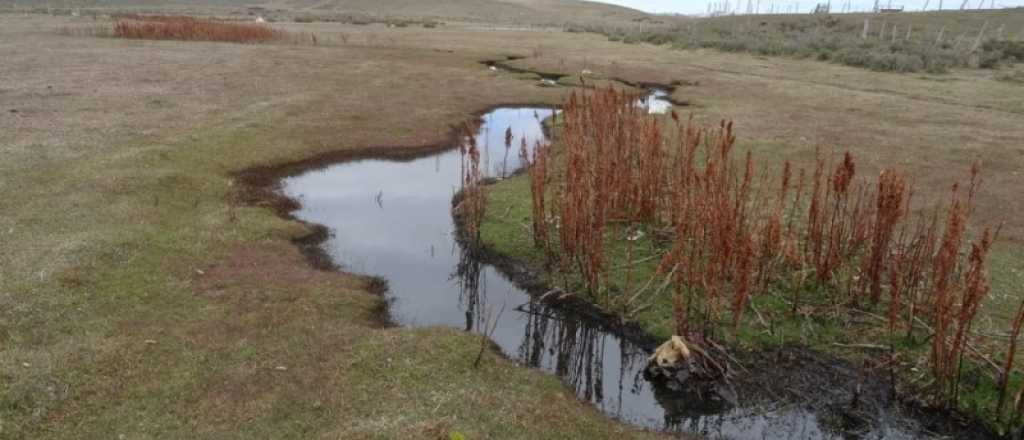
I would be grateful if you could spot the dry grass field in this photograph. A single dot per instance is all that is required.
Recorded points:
(139, 298)
(507, 12)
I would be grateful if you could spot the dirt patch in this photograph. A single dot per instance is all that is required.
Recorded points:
(271, 265)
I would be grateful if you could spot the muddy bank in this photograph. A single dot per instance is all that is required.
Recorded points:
(668, 88)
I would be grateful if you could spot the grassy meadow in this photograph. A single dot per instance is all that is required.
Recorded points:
(142, 299)
(147, 293)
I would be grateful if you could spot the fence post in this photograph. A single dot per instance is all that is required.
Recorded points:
(977, 41)
(894, 26)
(938, 40)
(910, 30)
(867, 25)
(881, 32)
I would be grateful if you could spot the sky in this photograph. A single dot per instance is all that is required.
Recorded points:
(701, 6)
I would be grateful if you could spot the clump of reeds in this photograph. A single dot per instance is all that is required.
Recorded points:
(1004, 377)
(724, 237)
(193, 29)
(538, 169)
(888, 212)
(473, 203)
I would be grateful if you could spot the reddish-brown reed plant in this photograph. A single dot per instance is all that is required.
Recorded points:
(614, 171)
(913, 258)
(193, 29)
(473, 204)
(538, 188)
(888, 211)
(944, 267)
(1011, 351)
(974, 291)
(724, 242)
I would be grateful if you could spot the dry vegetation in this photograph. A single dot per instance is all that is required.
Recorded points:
(526, 13)
(163, 27)
(931, 42)
(724, 230)
(187, 28)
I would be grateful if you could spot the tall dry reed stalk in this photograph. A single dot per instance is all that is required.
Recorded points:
(473, 205)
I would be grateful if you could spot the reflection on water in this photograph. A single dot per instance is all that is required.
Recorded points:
(657, 101)
(393, 219)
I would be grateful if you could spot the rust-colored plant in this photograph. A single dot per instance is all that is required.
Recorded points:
(1011, 351)
(888, 211)
(724, 233)
(193, 29)
(473, 204)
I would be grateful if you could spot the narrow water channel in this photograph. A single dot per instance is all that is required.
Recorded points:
(393, 219)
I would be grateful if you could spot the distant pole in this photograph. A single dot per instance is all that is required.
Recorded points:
(940, 5)
(925, 8)
(964, 5)
(977, 41)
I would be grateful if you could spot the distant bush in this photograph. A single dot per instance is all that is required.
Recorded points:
(831, 39)
(1008, 48)
(1016, 77)
(996, 53)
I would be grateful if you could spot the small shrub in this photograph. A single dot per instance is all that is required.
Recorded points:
(1006, 48)
(1016, 77)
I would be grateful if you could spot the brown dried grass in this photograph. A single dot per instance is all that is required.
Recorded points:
(193, 29)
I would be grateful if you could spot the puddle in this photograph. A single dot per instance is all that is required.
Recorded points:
(393, 219)
(657, 102)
